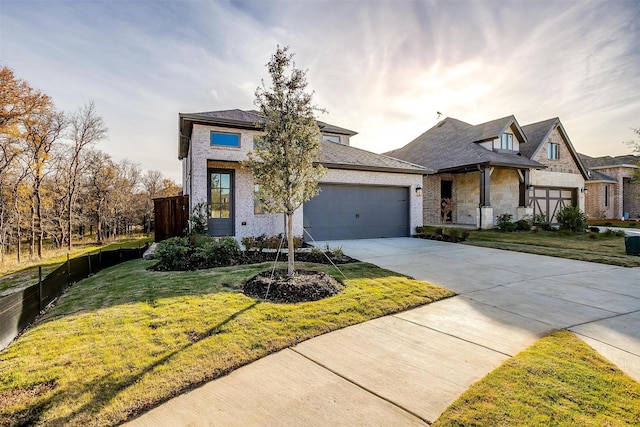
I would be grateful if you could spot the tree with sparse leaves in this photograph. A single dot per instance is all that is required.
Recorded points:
(282, 161)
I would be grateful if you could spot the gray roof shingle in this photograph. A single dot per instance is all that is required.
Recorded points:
(597, 176)
(342, 156)
(536, 132)
(332, 154)
(452, 144)
(594, 162)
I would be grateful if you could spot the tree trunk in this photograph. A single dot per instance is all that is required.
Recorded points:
(291, 255)
(69, 204)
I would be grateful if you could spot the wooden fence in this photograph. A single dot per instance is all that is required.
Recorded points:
(171, 217)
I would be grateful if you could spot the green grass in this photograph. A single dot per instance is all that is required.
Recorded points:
(559, 381)
(603, 249)
(13, 275)
(614, 223)
(127, 338)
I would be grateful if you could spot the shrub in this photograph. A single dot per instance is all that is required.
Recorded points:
(505, 222)
(337, 252)
(173, 253)
(523, 225)
(269, 242)
(419, 229)
(594, 230)
(620, 233)
(199, 220)
(457, 234)
(572, 218)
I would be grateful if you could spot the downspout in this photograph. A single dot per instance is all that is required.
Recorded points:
(480, 201)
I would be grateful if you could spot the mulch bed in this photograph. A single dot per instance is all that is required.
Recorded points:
(255, 257)
(304, 286)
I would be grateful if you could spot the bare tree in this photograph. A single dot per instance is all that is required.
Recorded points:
(86, 128)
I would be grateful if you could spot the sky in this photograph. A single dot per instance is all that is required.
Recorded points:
(381, 68)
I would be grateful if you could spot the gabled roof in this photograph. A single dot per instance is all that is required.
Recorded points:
(628, 160)
(237, 119)
(339, 156)
(452, 145)
(537, 133)
(493, 129)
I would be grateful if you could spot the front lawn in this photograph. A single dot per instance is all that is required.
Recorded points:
(13, 275)
(602, 248)
(559, 381)
(127, 338)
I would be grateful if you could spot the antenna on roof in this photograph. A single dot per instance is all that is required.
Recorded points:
(439, 114)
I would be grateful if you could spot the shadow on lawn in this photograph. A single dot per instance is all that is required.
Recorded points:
(106, 386)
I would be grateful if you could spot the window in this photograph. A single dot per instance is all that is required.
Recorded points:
(552, 151)
(258, 207)
(506, 141)
(606, 195)
(225, 139)
(220, 195)
(331, 138)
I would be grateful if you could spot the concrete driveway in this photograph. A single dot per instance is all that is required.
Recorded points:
(405, 369)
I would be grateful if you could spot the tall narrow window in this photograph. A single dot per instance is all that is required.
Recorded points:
(606, 195)
(552, 151)
(506, 141)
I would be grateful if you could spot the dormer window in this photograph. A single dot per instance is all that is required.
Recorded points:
(331, 138)
(506, 141)
(552, 151)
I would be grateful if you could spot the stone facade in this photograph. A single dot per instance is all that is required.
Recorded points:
(203, 156)
(504, 194)
(565, 163)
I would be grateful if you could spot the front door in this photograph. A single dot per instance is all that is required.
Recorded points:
(446, 203)
(220, 200)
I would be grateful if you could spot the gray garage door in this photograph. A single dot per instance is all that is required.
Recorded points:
(357, 212)
(549, 200)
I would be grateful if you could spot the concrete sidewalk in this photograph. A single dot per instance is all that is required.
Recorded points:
(406, 369)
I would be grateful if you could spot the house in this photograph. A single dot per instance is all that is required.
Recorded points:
(363, 195)
(496, 168)
(613, 190)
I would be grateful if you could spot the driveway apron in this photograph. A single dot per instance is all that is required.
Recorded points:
(407, 368)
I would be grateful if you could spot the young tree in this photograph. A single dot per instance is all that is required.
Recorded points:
(282, 161)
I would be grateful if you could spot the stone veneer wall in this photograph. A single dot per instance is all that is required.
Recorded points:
(505, 192)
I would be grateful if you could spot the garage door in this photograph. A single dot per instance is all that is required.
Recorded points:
(549, 200)
(357, 212)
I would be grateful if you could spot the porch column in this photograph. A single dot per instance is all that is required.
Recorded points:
(484, 213)
(485, 185)
(524, 211)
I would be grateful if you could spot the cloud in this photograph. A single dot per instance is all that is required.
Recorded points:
(382, 68)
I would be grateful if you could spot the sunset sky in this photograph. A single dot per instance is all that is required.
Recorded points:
(381, 68)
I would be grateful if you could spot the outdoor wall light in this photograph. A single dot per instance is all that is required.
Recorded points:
(418, 191)
(530, 187)
(584, 190)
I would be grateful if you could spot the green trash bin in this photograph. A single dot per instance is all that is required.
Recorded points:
(632, 245)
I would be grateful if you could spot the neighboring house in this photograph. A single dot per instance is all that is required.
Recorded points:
(613, 190)
(496, 168)
(363, 195)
